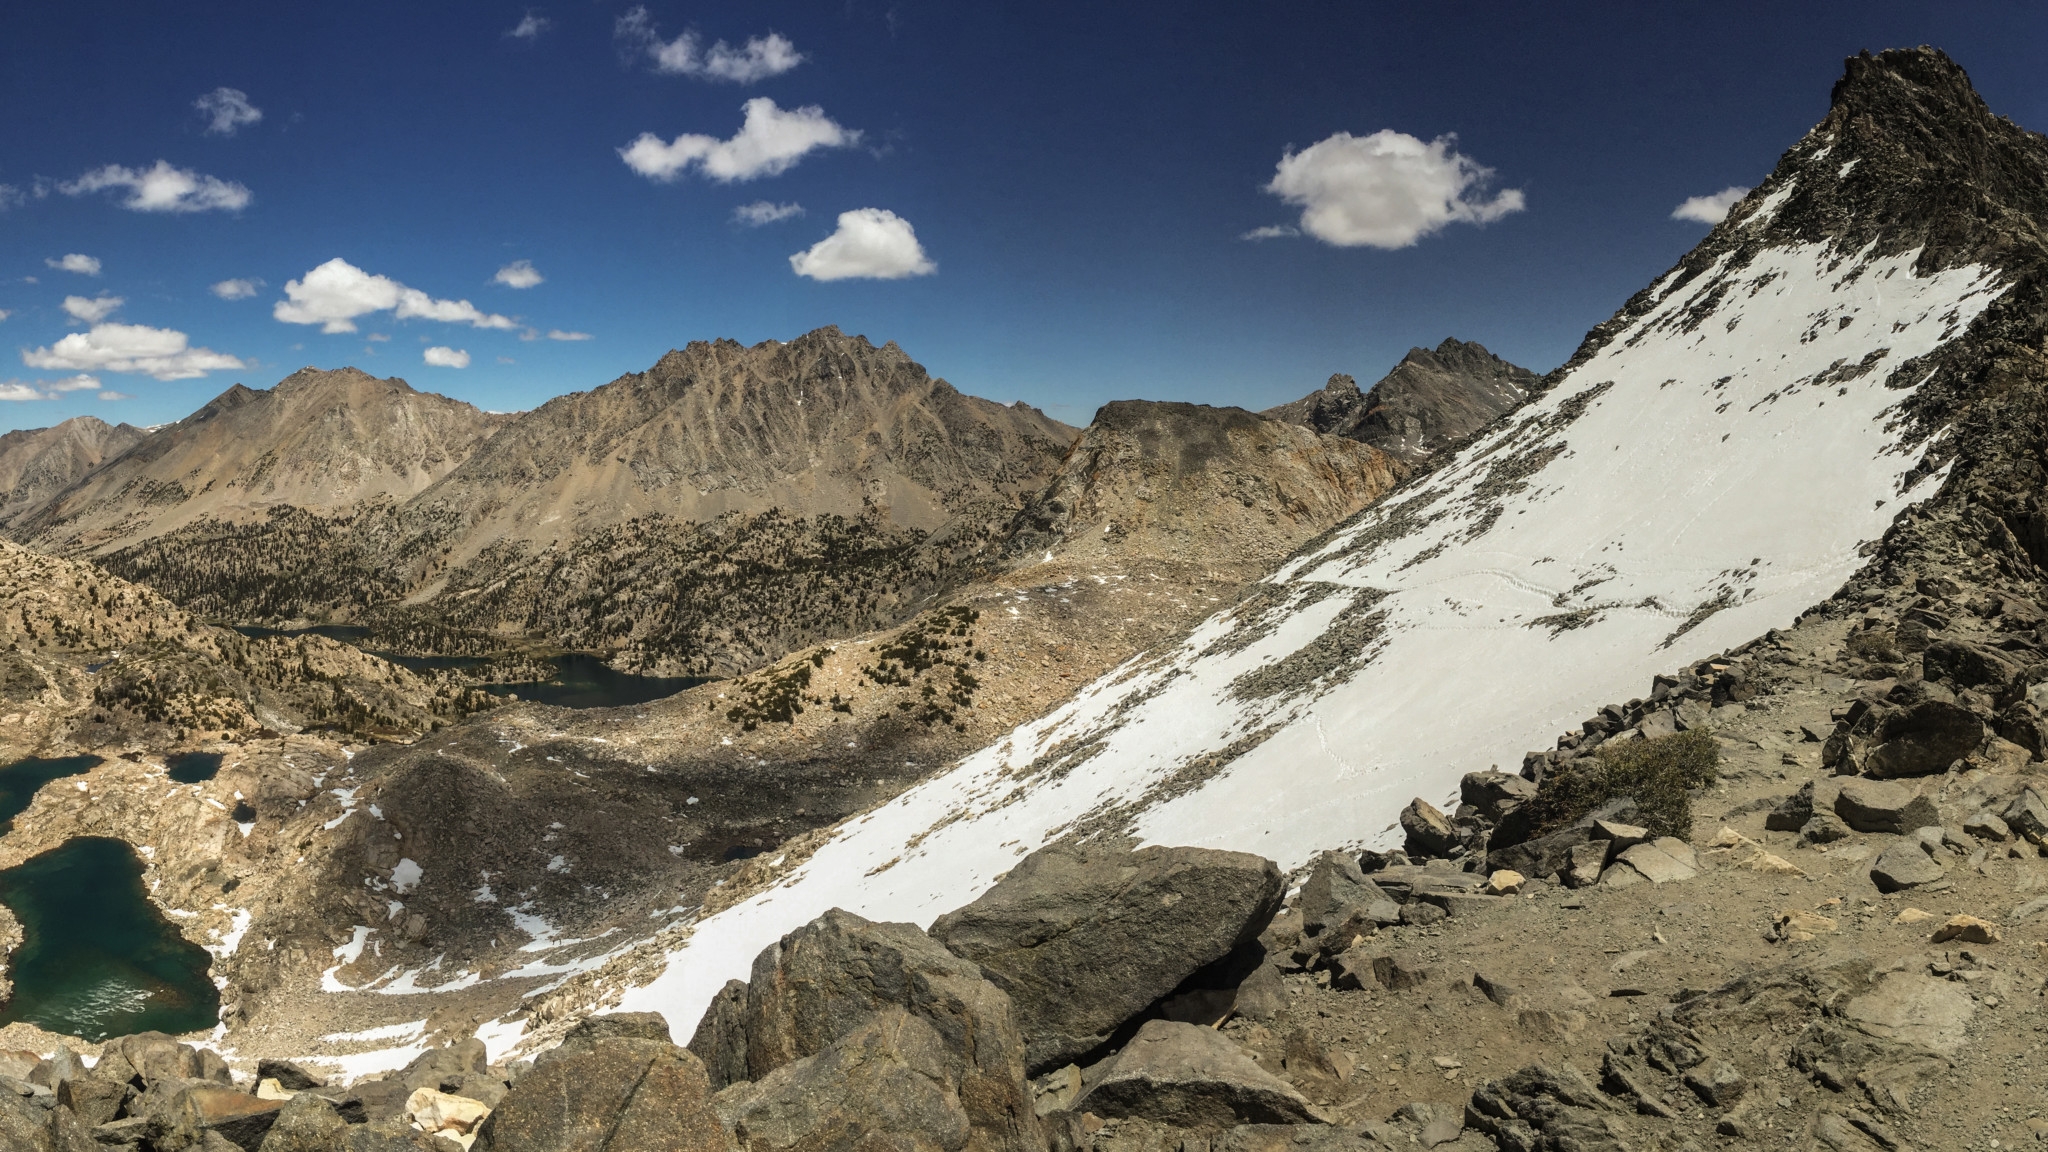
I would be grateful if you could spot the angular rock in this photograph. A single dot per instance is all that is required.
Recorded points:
(1544, 1108)
(1400, 970)
(1924, 739)
(1988, 826)
(615, 1096)
(67, 1133)
(1620, 837)
(1824, 828)
(1422, 914)
(1550, 853)
(289, 1075)
(1295, 1138)
(1083, 938)
(1717, 1083)
(606, 1026)
(1903, 866)
(2028, 817)
(1505, 882)
(1333, 887)
(886, 1084)
(1504, 994)
(154, 1056)
(1662, 861)
(1968, 665)
(1968, 929)
(831, 976)
(1877, 806)
(1262, 996)
(55, 1069)
(1192, 1077)
(721, 1037)
(1430, 832)
(1495, 794)
(1586, 862)
(95, 1099)
(237, 1117)
(306, 1123)
(1793, 811)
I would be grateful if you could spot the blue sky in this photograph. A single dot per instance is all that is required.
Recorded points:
(1043, 201)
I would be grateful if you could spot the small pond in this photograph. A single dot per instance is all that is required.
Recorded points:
(97, 958)
(20, 780)
(192, 767)
(584, 681)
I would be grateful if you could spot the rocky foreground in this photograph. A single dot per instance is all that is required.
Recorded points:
(1794, 896)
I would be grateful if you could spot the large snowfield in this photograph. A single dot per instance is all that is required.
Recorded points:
(1718, 464)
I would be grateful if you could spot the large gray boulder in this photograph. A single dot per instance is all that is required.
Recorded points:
(1086, 937)
(889, 1083)
(1191, 1077)
(1924, 740)
(1335, 886)
(1879, 806)
(823, 981)
(1903, 865)
(617, 1095)
(306, 1123)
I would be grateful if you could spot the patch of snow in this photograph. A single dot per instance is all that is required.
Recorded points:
(1715, 468)
(348, 954)
(500, 1037)
(347, 796)
(558, 864)
(354, 1067)
(238, 926)
(1845, 168)
(246, 828)
(1763, 212)
(412, 1031)
(407, 983)
(484, 895)
(405, 876)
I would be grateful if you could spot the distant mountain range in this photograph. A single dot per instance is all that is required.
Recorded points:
(725, 506)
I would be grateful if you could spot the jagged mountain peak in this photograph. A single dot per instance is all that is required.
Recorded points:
(1432, 398)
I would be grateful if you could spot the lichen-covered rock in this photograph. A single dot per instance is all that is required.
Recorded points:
(618, 1095)
(890, 1082)
(1191, 1077)
(1085, 937)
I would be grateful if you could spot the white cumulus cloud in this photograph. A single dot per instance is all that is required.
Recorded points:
(870, 244)
(16, 390)
(91, 311)
(759, 58)
(237, 289)
(764, 212)
(163, 188)
(164, 353)
(337, 292)
(558, 334)
(78, 383)
(1386, 190)
(1710, 209)
(77, 262)
(227, 111)
(769, 142)
(518, 274)
(441, 356)
(530, 27)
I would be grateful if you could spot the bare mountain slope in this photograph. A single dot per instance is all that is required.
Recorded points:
(1220, 488)
(1432, 398)
(38, 463)
(320, 440)
(826, 423)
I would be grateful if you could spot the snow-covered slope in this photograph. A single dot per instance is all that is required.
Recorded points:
(1716, 459)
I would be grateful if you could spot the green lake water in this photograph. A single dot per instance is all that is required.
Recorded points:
(20, 780)
(97, 958)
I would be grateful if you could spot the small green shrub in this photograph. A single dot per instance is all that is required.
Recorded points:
(1659, 773)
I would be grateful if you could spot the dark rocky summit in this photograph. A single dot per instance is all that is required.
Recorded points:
(1432, 399)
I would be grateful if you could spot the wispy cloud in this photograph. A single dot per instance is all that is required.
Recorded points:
(759, 58)
(770, 141)
(239, 289)
(1271, 232)
(869, 244)
(1387, 190)
(764, 212)
(558, 334)
(227, 111)
(163, 188)
(530, 27)
(77, 262)
(518, 274)
(91, 311)
(337, 292)
(1711, 209)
